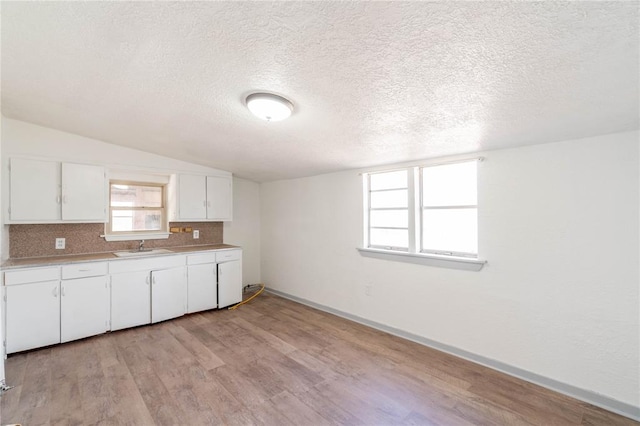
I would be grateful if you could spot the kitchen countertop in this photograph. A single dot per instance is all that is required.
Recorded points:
(95, 257)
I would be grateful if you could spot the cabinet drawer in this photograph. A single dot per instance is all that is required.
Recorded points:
(197, 259)
(82, 270)
(31, 276)
(228, 255)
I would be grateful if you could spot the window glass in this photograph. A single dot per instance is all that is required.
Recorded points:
(450, 185)
(450, 230)
(389, 218)
(135, 196)
(136, 220)
(136, 207)
(388, 210)
(389, 199)
(388, 180)
(389, 238)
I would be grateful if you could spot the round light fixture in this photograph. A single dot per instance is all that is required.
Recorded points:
(268, 106)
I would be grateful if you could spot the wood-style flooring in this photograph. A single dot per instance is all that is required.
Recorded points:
(271, 362)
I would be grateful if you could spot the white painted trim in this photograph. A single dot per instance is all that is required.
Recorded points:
(136, 237)
(462, 263)
(591, 397)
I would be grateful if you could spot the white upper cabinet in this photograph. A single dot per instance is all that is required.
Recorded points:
(50, 191)
(192, 196)
(83, 192)
(202, 198)
(219, 198)
(34, 190)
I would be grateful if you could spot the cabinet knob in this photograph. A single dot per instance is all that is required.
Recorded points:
(55, 291)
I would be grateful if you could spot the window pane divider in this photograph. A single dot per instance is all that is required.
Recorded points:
(400, 188)
(389, 227)
(469, 206)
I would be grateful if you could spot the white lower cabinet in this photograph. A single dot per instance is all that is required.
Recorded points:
(33, 315)
(84, 308)
(202, 293)
(202, 282)
(84, 300)
(147, 290)
(229, 277)
(168, 294)
(130, 299)
(49, 305)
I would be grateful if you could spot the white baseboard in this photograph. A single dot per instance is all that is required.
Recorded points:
(591, 397)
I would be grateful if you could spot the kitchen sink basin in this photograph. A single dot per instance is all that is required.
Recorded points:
(134, 253)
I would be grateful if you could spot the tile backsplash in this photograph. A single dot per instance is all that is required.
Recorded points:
(81, 238)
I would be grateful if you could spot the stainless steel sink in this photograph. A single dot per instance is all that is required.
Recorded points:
(135, 253)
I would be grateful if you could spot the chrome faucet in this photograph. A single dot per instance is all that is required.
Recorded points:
(141, 245)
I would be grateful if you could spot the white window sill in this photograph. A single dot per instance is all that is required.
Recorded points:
(461, 263)
(137, 237)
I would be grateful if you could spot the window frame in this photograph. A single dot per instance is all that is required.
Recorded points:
(422, 208)
(370, 209)
(149, 234)
(415, 216)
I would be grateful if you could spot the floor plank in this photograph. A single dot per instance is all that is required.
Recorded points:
(271, 362)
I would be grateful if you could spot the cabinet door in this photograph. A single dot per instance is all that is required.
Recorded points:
(202, 291)
(84, 308)
(2, 349)
(229, 283)
(33, 315)
(34, 190)
(130, 299)
(168, 294)
(192, 196)
(219, 198)
(83, 192)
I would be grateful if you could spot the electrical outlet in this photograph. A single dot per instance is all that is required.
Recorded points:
(367, 290)
(196, 234)
(60, 243)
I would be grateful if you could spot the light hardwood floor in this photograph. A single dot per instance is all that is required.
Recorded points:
(271, 362)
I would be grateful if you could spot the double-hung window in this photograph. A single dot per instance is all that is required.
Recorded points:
(423, 210)
(136, 207)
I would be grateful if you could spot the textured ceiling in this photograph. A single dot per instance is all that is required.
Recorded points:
(372, 82)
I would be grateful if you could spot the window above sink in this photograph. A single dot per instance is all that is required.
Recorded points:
(137, 207)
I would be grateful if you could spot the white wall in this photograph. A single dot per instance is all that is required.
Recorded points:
(244, 230)
(559, 226)
(21, 138)
(25, 139)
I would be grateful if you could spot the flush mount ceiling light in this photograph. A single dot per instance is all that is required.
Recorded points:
(268, 106)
